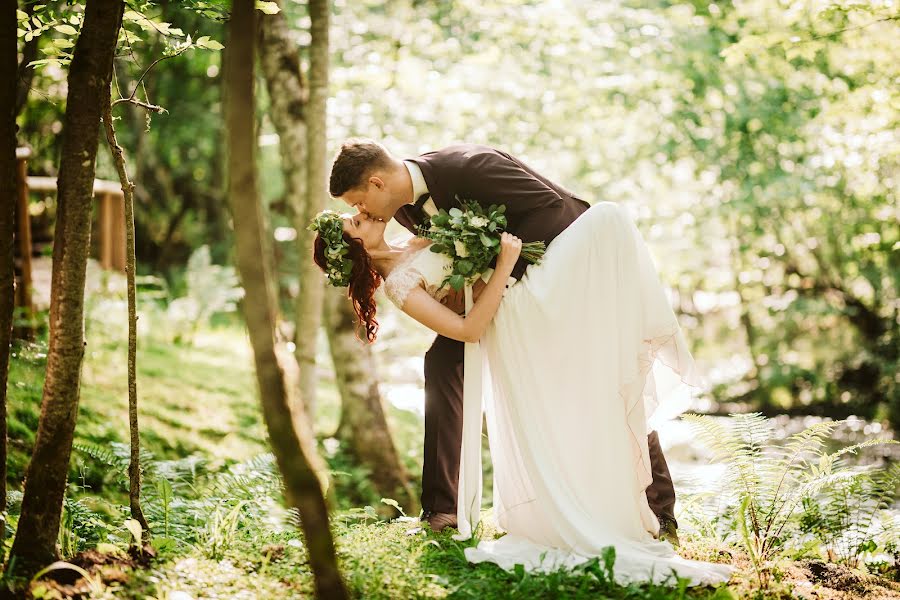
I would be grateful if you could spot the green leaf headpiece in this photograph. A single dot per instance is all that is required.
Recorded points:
(330, 227)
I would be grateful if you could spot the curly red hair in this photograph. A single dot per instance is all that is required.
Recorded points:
(364, 280)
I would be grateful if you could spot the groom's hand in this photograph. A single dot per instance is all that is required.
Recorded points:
(456, 301)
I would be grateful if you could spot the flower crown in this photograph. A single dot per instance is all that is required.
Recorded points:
(330, 227)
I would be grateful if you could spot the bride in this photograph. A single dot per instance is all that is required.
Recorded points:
(569, 358)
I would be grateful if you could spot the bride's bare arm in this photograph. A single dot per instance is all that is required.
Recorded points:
(429, 312)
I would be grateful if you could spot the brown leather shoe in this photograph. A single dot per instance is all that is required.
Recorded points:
(438, 521)
(668, 531)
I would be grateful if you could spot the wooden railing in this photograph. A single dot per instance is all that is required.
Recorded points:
(111, 232)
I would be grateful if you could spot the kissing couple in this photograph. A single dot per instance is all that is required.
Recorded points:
(564, 356)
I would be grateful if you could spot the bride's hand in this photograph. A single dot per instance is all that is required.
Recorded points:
(510, 248)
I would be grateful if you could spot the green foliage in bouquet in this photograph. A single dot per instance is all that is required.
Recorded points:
(470, 236)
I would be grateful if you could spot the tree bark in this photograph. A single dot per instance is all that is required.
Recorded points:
(291, 113)
(8, 195)
(364, 428)
(312, 286)
(134, 466)
(45, 478)
(302, 489)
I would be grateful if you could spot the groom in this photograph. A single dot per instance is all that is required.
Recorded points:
(367, 177)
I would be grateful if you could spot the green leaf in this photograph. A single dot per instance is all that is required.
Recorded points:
(270, 8)
(437, 248)
(392, 502)
(488, 241)
(464, 267)
(135, 528)
(205, 42)
(455, 212)
(457, 282)
(66, 29)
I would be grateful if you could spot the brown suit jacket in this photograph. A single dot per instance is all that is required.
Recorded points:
(536, 208)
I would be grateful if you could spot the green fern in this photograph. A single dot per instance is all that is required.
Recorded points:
(843, 516)
(769, 482)
(117, 456)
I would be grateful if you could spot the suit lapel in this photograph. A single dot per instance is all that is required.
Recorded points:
(437, 191)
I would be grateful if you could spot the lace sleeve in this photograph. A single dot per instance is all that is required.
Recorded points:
(398, 285)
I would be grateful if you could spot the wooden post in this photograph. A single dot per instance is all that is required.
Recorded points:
(117, 203)
(112, 224)
(23, 292)
(105, 231)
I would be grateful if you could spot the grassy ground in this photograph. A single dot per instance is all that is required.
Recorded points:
(199, 400)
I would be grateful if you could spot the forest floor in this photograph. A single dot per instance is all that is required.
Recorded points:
(198, 401)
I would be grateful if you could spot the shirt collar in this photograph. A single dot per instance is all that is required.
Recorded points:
(418, 180)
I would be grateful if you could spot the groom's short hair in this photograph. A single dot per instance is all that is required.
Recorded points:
(356, 159)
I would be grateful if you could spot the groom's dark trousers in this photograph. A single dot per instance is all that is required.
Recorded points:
(536, 209)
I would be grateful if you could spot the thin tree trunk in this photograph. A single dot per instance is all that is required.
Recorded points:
(302, 489)
(364, 428)
(8, 195)
(134, 466)
(312, 286)
(289, 95)
(45, 478)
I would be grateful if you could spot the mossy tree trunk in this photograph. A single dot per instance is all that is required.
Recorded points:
(45, 477)
(364, 429)
(302, 489)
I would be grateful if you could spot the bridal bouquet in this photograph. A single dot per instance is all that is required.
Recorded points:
(470, 236)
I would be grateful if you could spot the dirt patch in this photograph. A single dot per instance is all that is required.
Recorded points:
(825, 581)
(103, 568)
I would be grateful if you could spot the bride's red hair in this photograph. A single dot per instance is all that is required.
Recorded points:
(364, 280)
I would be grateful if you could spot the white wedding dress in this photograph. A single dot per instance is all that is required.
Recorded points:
(569, 373)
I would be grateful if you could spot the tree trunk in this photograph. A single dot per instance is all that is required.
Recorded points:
(290, 114)
(134, 466)
(45, 478)
(8, 195)
(312, 285)
(302, 489)
(363, 427)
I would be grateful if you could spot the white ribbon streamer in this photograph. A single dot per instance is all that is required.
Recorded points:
(468, 505)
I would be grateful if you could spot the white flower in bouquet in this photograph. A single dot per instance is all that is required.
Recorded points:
(461, 250)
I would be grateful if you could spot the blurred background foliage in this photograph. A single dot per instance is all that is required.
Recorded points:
(756, 142)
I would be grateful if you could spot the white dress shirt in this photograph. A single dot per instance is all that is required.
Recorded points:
(420, 187)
